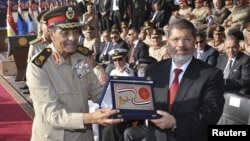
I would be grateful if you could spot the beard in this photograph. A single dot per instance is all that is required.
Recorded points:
(181, 59)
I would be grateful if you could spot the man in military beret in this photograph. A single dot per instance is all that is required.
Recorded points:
(61, 81)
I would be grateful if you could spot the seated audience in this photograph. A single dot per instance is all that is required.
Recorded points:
(235, 64)
(238, 16)
(205, 52)
(245, 44)
(158, 49)
(218, 39)
(121, 66)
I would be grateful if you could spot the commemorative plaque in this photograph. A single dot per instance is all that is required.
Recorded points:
(133, 96)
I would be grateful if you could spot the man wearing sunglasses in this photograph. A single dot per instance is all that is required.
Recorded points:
(205, 52)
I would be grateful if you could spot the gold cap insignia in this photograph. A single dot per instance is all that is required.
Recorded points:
(70, 13)
(116, 52)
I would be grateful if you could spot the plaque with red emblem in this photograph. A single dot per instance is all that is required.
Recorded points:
(133, 96)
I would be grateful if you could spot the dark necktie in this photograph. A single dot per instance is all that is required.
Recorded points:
(174, 88)
(228, 68)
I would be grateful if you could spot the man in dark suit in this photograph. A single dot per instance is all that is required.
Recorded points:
(238, 74)
(199, 99)
(205, 52)
(137, 47)
(119, 12)
(158, 16)
(105, 46)
(117, 42)
(104, 9)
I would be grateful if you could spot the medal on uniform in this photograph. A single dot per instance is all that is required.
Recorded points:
(82, 68)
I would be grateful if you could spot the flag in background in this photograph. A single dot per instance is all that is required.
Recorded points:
(30, 21)
(22, 26)
(11, 25)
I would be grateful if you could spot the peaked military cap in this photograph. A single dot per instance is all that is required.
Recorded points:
(124, 24)
(40, 17)
(156, 33)
(182, 1)
(247, 26)
(64, 17)
(117, 53)
(219, 30)
(147, 25)
(89, 29)
(147, 60)
(198, 1)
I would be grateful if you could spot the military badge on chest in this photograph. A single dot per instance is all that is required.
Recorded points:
(82, 68)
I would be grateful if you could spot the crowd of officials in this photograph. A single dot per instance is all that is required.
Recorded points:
(201, 46)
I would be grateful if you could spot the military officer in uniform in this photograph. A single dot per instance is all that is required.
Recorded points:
(238, 16)
(245, 44)
(42, 42)
(218, 39)
(61, 81)
(39, 43)
(121, 66)
(158, 50)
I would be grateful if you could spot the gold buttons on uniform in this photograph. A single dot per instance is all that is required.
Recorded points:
(77, 92)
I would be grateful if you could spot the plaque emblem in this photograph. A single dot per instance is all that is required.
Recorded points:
(22, 41)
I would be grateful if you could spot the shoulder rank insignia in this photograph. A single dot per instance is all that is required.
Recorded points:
(83, 50)
(41, 58)
(35, 41)
(127, 70)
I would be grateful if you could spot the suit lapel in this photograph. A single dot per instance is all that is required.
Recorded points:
(188, 78)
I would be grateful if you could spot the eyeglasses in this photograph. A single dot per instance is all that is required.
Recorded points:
(184, 39)
(118, 59)
(115, 37)
(200, 42)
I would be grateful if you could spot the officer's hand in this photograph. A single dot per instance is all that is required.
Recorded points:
(166, 122)
(101, 116)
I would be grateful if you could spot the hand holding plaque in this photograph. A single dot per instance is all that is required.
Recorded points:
(133, 96)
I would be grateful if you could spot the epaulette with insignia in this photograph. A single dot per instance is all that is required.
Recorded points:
(41, 58)
(35, 41)
(127, 70)
(83, 50)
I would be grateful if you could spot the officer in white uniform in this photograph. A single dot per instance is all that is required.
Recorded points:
(121, 66)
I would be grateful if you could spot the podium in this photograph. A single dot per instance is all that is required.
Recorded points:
(19, 47)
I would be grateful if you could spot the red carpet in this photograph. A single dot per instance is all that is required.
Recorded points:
(15, 123)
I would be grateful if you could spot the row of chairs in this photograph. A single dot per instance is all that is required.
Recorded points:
(236, 109)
